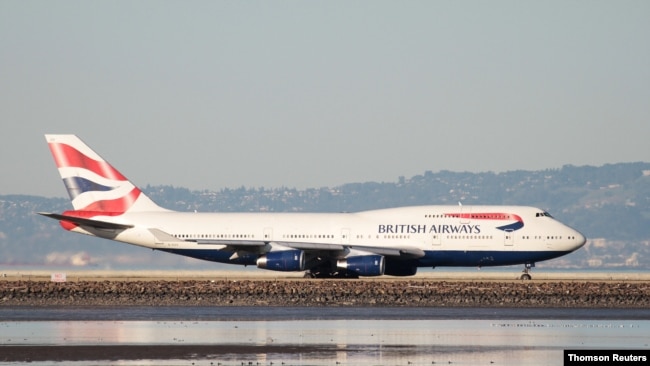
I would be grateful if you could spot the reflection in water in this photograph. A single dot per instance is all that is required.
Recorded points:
(348, 342)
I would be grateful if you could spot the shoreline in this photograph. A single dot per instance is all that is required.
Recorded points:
(413, 292)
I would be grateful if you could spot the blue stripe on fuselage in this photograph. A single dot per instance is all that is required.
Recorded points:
(432, 258)
(484, 258)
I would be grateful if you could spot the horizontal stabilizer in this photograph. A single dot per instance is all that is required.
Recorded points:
(86, 222)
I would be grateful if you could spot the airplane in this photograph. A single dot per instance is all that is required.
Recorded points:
(390, 241)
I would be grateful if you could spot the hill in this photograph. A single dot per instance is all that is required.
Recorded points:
(609, 204)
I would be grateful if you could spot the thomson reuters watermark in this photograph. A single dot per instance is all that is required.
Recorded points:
(606, 357)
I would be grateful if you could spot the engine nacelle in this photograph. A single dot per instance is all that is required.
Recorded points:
(364, 265)
(286, 260)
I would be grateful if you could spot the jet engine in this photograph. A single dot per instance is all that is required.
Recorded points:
(365, 265)
(286, 260)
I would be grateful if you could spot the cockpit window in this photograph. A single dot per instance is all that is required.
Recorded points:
(543, 214)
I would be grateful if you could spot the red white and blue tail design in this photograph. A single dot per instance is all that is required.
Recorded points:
(94, 186)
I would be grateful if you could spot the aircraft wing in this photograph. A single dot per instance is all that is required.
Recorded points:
(403, 252)
(247, 245)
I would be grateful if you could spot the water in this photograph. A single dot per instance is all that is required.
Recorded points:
(326, 336)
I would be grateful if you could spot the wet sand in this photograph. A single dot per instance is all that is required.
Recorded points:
(144, 352)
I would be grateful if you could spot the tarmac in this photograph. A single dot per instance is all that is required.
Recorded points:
(264, 275)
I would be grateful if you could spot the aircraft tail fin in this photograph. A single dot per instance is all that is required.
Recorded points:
(92, 183)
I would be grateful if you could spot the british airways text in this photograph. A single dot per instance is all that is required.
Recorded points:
(422, 229)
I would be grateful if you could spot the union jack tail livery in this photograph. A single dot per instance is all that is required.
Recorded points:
(391, 241)
(94, 186)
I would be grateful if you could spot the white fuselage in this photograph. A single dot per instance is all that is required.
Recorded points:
(393, 241)
(449, 235)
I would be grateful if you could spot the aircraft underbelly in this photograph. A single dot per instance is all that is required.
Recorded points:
(439, 258)
(486, 258)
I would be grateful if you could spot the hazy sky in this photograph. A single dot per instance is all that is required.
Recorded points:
(210, 94)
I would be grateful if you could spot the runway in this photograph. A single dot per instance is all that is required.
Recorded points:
(263, 275)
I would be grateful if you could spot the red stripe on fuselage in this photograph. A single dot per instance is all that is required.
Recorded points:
(487, 216)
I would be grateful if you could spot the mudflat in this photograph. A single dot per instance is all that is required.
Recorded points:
(28, 353)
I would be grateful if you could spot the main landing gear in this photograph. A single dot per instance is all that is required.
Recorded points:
(327, 274)
(526, 276)
(327, 269)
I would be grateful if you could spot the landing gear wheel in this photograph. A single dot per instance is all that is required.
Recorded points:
(327, 274)
(526, 276)
(346, 274)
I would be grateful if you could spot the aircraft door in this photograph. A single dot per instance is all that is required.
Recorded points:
(465, 214)
(268, 234)
(508, 238)
(345, 236)
(436, 239)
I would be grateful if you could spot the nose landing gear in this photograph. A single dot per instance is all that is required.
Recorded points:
(526, 276)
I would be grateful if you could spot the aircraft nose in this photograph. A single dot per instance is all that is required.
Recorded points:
(580, 239)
